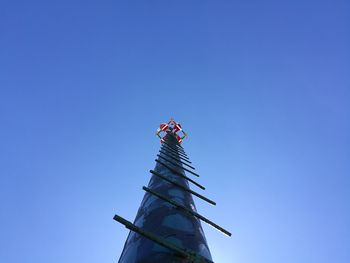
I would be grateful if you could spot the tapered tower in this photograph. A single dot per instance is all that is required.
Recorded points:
(167, 227)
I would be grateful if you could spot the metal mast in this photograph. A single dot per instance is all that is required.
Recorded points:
(167, 227)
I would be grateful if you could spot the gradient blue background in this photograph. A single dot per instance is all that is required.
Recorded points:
(262, 88)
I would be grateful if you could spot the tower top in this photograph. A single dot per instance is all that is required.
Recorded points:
(172, 127)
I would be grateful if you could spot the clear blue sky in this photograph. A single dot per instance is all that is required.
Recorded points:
(262, 88)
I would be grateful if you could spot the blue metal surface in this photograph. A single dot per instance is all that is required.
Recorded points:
(165, 220)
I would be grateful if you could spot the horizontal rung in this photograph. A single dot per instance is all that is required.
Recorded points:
(182, 187)
(175, 148)
(174, 151)
(166, 159)
(191, 256)
(176, 159)
(180, 174)
(189, 211)
(174, 155)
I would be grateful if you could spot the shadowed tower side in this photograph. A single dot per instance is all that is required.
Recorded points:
(167, 227)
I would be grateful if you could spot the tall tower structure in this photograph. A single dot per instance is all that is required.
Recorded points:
(167, 227)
